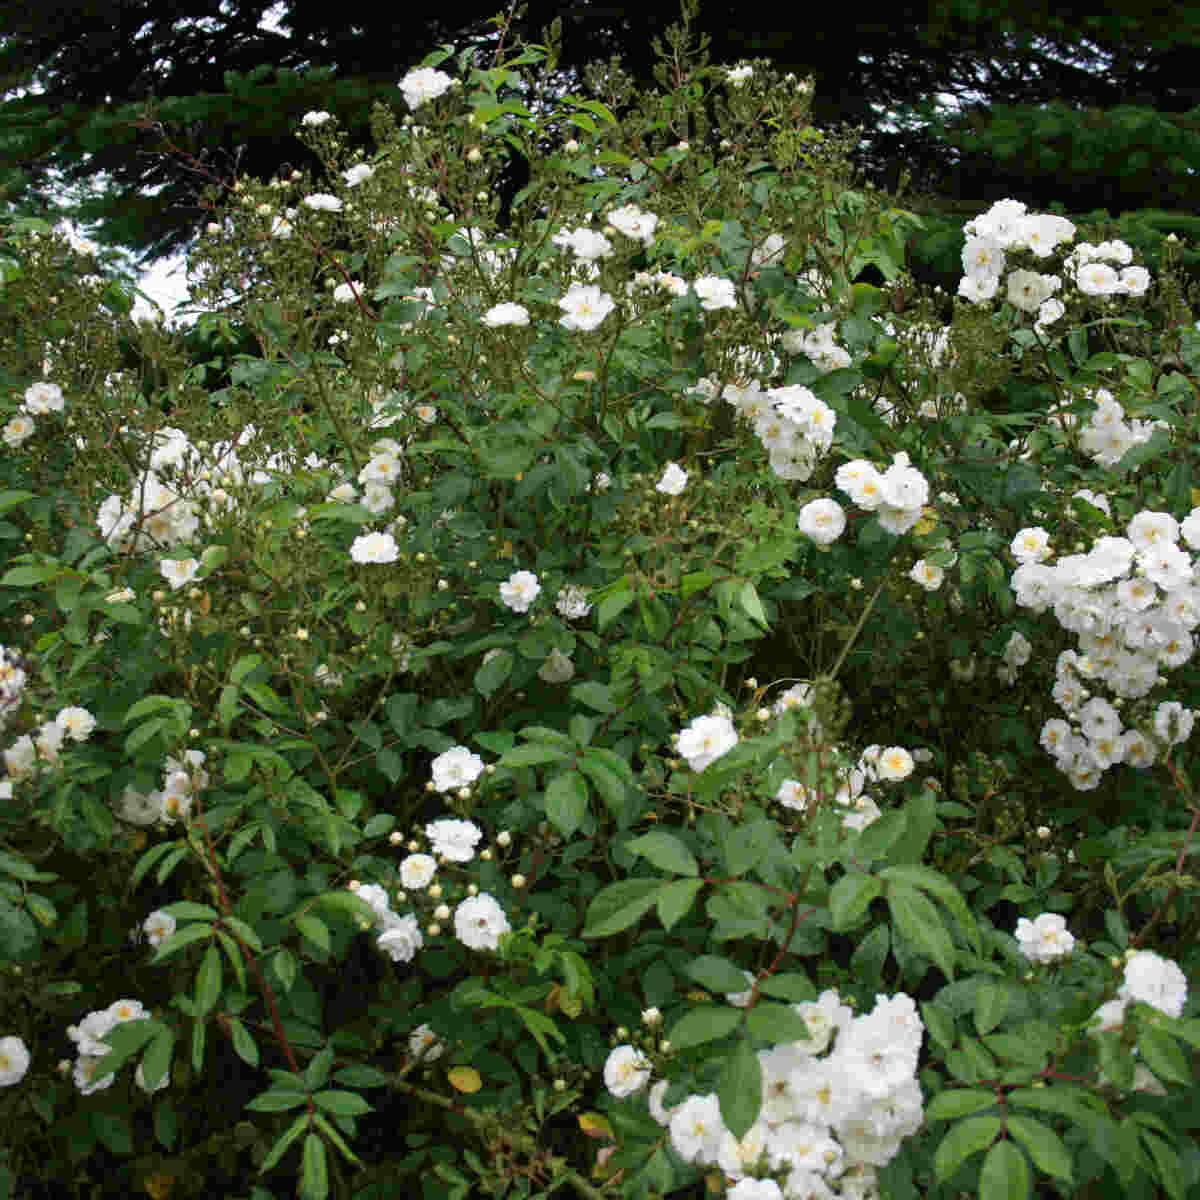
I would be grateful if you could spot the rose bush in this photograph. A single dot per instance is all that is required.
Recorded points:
(700, 824)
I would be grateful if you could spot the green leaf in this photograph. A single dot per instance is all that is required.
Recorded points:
(1006, 1174)
(315, 930)
(704, 1024)
(991, 1003)
(166, 1122)
(314, 1171)
(156, 1062)
(294, 1130)
(717, 974)
(747, 845)
(208, 981)
(533, 754)
(342, 1104)
(675, 900)
(918, 919)
(751, 604)
(566, 801)
(493, 674)
(1045, 1147)
(277, 1101)
(961, 1141)
(664, 851)
(614, 603)
(595, 696)
(243, 1043)
(739, 1089)
(920, 815)
(148, 860)
(283, 963)
(113, 1129)
(359, 1075)
(243, 667)
(777, 1023)
(337, 1139)
(180, 939)
(958, 1102)
(790, 985)
(620, 905)
(1163, 1056)
(880, 836)
(18, 934)
(124, 1041)
(18, 868)
(850, 898)
(611, 785)
(317, 1071)
(199, 1034)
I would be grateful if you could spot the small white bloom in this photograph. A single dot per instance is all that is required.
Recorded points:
(357, 173)
(715, 293)
(506, 314)
(479, 921)
(157, 927)
(894, 763)
(76, 723)
(674, 480)
(520, 591)
(822, 520)
(43, 398)
(14, 1061)
(323, 202)
(572, 603)
(424, 84)
(626, 1070)
(20, 429)
(417, 871)
(1044, 939)
(374, 548)
(928, 575)
(423, 1043)
(401, 940)
(1156, 981)
(314, 119)
(456, 768)
(706, 739)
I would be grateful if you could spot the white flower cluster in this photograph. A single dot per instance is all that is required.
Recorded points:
(876, 764)
(1007, 229)
(182, 779)
(89, 1036)
(159, 514)
(1108, 435)
(1045, 939)
(897, 495)
(25, 755)
(825, 1112)
(818, 345)
(401, 937)
(1149, 979)
(794, 426)
(12, 683)
(1133, 603)
(40, 399)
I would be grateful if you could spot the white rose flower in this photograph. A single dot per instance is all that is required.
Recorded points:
(585, 306)
(673, 481)
(178, 571)
(323, 202)
(479, 921)
(357, 173)
(715, 293)
(506, 314)
(894, 763)
(42, 398)
(314, 119)
(626, 1071)
(822, 520)
(424, 84)
(374, 548)
(76, 723)
(20, 429)
(520, 591)
(706, 739)
(14, 1061)
(572, 603)
(424, 1044)
(417, 871)
(157, 927)
(452, 839)
(1044, 939)
(1156, 981)
(402, 940)
(456, 768)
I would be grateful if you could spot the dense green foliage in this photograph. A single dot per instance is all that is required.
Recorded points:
(511, 526)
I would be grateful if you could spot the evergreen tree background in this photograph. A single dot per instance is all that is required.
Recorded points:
(1092, 108)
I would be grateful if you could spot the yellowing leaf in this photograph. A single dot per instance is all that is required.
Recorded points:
(159, 1186)
(596, 1126)
(464, 1079)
